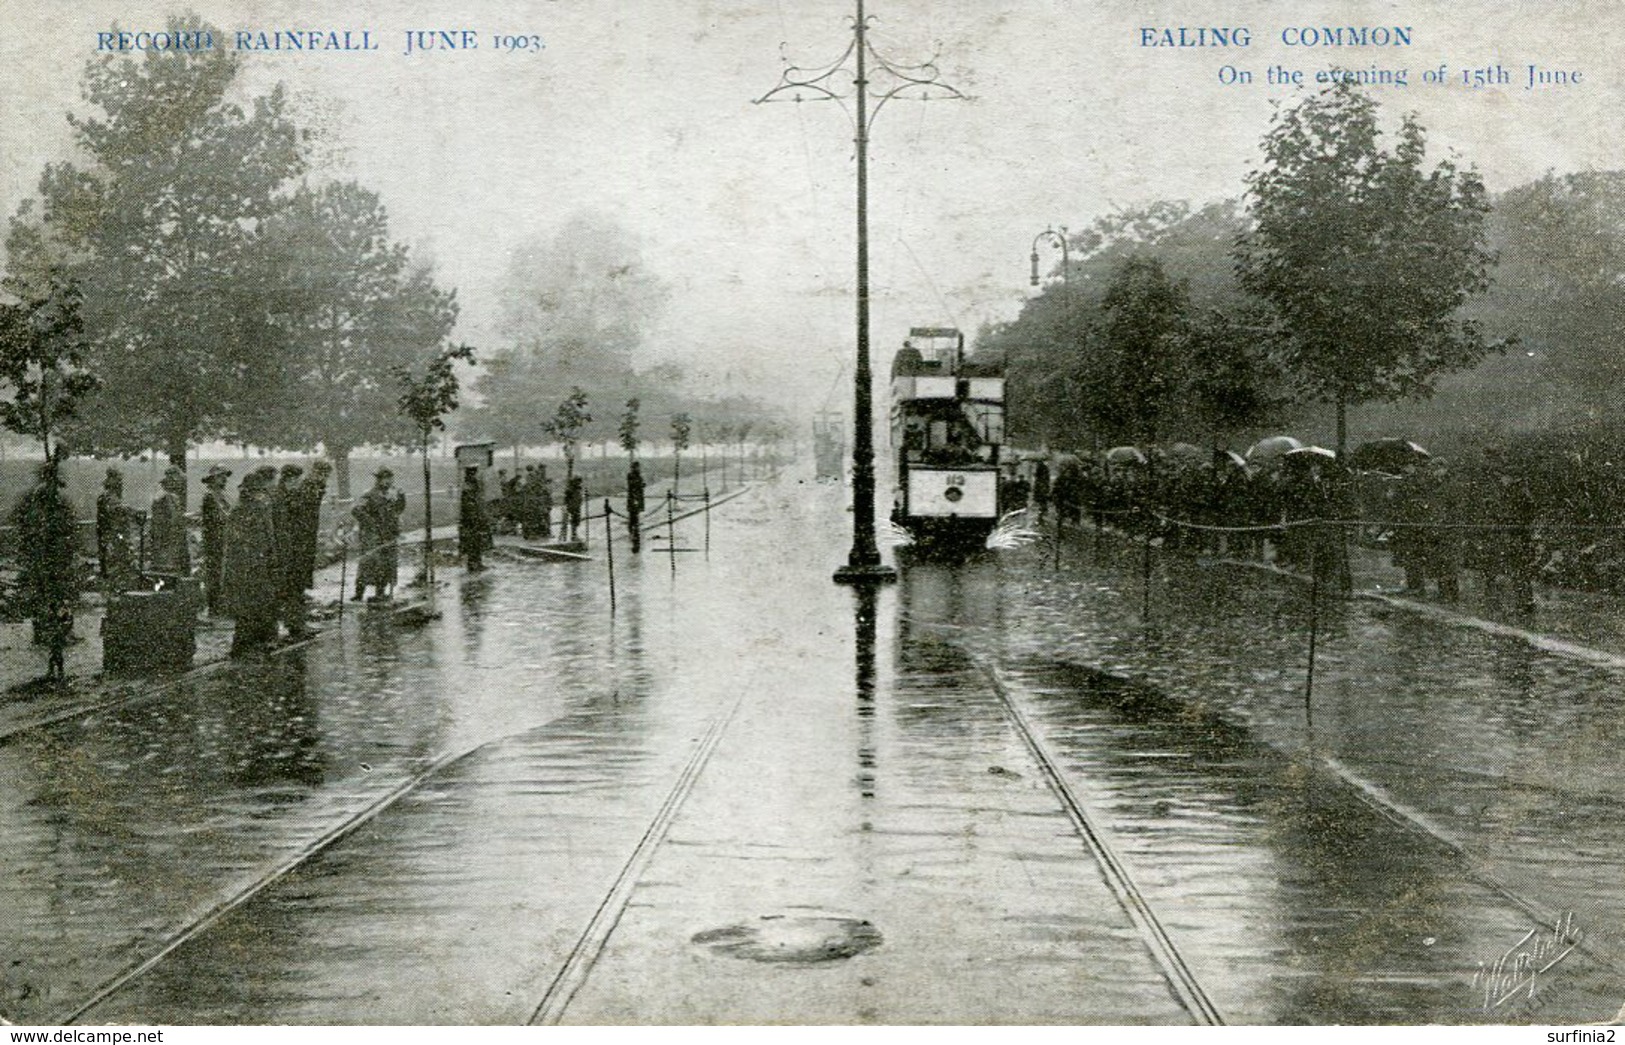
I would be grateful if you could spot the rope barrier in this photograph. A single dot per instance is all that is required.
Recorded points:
(1288, 524)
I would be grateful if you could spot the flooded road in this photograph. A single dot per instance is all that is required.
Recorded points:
(991, 794)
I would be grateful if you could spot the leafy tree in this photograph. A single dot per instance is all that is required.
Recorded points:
(681, 427)
(1142, 340)
(350, 308)
(158, 226)
(41, 354)
(1229, 385)
(741, 433)
(566, 427)
(628, 431)
(1363, 257)
(1562, 285)
(425, 399)
(578, 307)
(1065, 378)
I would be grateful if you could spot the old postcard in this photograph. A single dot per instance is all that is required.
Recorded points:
(854, 512)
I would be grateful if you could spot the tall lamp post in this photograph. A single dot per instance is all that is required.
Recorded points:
(1058, 239)
(863, 565)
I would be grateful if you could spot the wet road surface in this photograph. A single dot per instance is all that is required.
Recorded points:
(752, 797)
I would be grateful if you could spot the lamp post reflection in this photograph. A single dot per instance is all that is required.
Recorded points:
(867, 603)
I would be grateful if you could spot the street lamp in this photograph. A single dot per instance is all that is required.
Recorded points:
(1058, 239)
(863, 565)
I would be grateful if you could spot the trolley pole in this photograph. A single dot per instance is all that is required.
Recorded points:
(1314, 631)
(609, 552)
(863, 565)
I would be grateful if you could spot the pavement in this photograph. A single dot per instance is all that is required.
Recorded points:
(25, 698)
(1582, 625)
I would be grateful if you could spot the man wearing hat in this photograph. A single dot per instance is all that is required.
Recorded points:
(113, 519)
(308, 518)
(287, 517)
(473, 526)
(379, 515)
(216, 510)
(168, 519)
(251, 562)
(48, 551)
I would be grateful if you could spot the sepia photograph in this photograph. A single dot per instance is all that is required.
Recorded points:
(857, 513)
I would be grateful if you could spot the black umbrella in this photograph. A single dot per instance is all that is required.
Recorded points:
(1387, 455)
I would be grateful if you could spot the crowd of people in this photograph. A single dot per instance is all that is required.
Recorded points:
(525, 504)
(1305, 508)
(259, 552)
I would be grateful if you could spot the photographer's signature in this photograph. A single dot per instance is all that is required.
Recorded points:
(1518, 972)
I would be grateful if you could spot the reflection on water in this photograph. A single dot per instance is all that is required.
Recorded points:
(1262, 860)
(276, 737)
(866, 599)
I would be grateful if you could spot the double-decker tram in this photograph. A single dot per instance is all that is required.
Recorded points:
(947, 428)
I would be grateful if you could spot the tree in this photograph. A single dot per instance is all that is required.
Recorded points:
(425, 399)
(1562, 285)
(578, 307)
(1064, 377)
(1142, 342)
(681, 426)
(351, 307)
(741, 432)
(566, 427)
(1363, 258)
(41, 354)
(1229, 384)
(158, 226)
(628, 430)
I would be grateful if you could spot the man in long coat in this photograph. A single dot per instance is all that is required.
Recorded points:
(48, 552)
(473, 526)
(216, 511)
(379, 515)
(251, 563)
(634, 505)
(113, 548)
(168, 520)
(287, 515)
(575, 495)
(308, 520)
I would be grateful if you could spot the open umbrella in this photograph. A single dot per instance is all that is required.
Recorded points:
(1311, 451)
(1125, 455)
(1273, 447)
(1387, 455)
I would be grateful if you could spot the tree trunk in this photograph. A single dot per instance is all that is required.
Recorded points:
(340, 456)
(428, 519)
(1342, 425)
(176, 451)
(676, 471)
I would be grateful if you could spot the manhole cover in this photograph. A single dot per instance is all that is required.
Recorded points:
(801, 939)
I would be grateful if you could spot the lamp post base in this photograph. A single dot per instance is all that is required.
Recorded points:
(877, 573)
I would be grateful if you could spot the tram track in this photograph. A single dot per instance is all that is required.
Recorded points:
(572, 975)
(1367, 793)
(1182, 980)
(578, 962)
(259, 884)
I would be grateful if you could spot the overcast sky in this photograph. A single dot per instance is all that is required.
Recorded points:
(642, 109)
